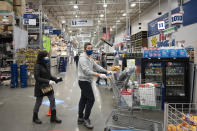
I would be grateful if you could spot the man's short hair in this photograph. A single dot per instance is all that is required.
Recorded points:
(86, 44)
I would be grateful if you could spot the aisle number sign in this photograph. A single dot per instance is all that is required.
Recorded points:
(46, 43)
(81, 22)
(161, 25)
(177, 18)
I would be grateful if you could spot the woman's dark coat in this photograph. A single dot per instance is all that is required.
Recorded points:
(42, 75)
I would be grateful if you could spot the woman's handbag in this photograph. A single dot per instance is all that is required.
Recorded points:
(47, 89)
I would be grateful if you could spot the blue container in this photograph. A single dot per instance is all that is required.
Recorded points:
(165, 53)
(159, 53)
(14, 76)
(173, 53)
(146, 53)
(23, 76)
(155, 53)
(182, 53)
(150, 53)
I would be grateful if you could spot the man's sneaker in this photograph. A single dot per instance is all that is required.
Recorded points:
(88, 124)
(80, 121)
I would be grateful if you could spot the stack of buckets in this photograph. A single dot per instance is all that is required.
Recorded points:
(23, 76)
(14, 76)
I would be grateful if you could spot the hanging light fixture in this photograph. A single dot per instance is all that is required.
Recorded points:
(101, 15)
(75, 6)
(133, 5)
(124, 14)
(159, 13)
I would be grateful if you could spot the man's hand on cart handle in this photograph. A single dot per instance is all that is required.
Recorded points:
(103, 76)
(109, 73)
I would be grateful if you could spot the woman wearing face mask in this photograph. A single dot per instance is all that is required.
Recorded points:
(44, 80)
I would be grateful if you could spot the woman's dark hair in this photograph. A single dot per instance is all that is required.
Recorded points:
(40, 56)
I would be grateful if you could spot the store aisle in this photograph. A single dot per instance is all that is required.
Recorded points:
(17, 107)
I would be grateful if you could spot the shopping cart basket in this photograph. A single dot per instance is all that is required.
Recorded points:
(131, 104)
(180, 117)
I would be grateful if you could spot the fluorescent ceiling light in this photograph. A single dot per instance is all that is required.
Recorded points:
(63, 21)
(101, 15)
(70, 31)
(118, 21)
(124, 14)
(105, 5)
(133, 5)
(75, 6)
(114, 26)
(111, 29)
(99, 21)
(76, 16)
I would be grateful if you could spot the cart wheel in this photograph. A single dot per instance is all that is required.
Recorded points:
(115, 117)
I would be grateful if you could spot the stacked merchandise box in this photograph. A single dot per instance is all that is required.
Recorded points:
(6, 6)
(19, 7)
(23, 76)
(28, 57)
(14, 76)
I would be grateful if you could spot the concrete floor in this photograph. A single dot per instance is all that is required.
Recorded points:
(16, 106)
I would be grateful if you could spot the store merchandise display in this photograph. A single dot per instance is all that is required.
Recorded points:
(138, 41)
(164, 52)
(28, 57)
(14, 75)
(23, 76)
(62, 64)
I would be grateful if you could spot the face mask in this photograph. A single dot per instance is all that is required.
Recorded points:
(89, 52)
(46, 59)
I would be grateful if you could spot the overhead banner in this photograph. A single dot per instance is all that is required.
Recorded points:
(81, 22)
(106, 33)
(83, 34)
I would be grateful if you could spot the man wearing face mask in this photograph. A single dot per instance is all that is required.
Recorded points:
(44, 80)
(86, 68)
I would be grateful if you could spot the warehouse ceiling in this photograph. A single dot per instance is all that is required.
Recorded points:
(61, 12)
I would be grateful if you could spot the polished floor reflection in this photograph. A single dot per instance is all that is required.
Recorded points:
(17, 105)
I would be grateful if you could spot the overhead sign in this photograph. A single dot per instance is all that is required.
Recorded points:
(161, 25)
(48, 30)
(30, 16)
(81, 22)
(177, 18)
(46, 43)
(84, 34)
(58, 32)
(86, 40)
(29, 21)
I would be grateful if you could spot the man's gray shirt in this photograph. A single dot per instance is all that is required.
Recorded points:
(86, 68)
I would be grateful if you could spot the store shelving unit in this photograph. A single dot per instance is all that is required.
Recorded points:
(6, 41)
(110, 58)
(138, 41)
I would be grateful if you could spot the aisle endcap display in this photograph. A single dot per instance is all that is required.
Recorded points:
(164, 52)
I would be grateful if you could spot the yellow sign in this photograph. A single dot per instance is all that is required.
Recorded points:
(154, 41)
(46, 43)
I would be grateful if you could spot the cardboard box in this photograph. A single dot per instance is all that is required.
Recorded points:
(17, 2)
(9, 1)
(5, 7)
(6, 19)
(9, 28)
(19, 10)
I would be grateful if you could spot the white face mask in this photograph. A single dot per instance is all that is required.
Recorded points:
(46, 58)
